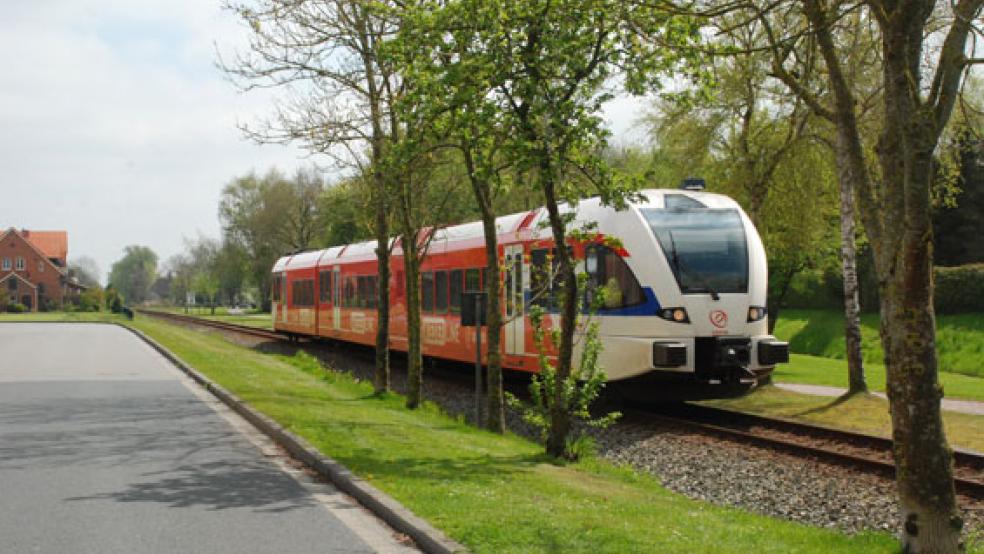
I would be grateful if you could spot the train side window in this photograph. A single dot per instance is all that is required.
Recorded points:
(540, 278)
(372, 292)
(485, 276)
(349, 292)
(609, 272)
(441, 292)
(472, 277)
(309, 292)
(455, 290)
(363, 293)
(427, 292)
(324, 287)
(277, 284)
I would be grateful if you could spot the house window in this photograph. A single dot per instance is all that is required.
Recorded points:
(20, 264)
(41, 266)
(6, 264)
(12, 284)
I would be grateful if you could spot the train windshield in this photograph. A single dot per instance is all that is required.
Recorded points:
(706, 248)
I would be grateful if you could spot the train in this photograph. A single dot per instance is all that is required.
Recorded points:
(684, 314)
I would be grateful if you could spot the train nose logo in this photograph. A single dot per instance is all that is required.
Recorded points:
(719, 319)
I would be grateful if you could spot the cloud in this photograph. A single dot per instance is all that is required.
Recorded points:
(118, 127)
(116, 124)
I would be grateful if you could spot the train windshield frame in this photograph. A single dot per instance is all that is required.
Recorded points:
(706, 248)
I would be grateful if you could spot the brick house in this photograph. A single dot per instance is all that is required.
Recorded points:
(34, 268)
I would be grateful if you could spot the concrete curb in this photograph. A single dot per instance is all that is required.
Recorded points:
(428, 538)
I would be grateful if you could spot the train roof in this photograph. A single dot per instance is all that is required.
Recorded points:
(466, 235)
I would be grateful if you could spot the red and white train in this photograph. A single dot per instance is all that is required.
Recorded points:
(684, 314)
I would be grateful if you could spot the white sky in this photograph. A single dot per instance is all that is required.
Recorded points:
(116, 126)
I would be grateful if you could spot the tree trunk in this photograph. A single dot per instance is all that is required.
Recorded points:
(924, 464)
(896, 217)
(496, 419)
(381, 375)
(849, 270)
(415, 361)
(560, 417)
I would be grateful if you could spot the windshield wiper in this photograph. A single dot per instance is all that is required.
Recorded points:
(680, 269)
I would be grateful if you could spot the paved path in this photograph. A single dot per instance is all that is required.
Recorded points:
(107, 448)
(963, 406)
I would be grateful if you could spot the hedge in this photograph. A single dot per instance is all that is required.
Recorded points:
(958, 290)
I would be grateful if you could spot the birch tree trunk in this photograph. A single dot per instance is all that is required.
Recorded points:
(849, 270)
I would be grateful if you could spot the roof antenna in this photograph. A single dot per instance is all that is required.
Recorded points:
(692, 183)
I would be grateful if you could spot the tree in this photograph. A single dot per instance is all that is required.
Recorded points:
(331, 53)
(86, 270)
(269, 216)
(548, 62)
(895, 199)
(133, 274)
(450, 95)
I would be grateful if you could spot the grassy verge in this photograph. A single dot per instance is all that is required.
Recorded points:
(867, 414)
(815, 370)
(61, 316)
(492, 493)
(262, 320)
(959, 338)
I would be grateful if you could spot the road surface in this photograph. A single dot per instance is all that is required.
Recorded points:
(106, 448)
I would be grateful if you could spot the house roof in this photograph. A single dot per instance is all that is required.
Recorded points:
(47, 257)
(53, 244)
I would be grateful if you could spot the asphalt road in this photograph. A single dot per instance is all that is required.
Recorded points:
(107, 448)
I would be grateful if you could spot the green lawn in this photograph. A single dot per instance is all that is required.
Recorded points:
(250, 318)
(867, 414)
(492, 493)
(62, 316)
(814, 370)
(959, 338)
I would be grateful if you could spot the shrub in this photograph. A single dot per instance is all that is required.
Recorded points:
(16, 308)
(959, 289)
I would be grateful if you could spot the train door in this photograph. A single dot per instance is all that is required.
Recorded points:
(283, 297)
(515, 305)
(337, 296)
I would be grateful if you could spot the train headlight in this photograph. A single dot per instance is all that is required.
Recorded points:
(677, 315)
(756, 313)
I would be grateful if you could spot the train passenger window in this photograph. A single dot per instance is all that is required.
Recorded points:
(455, 290)
(362, 286)
(608, 272)
(324, 286)
(275, 288)
(472, 282)
(350, 292)
(441, 292)
(427, 292)
(485, 276)
(540, 278)
(371, 291)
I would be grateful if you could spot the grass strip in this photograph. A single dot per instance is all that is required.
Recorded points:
(959, 338)
(867, 414)
(492, 493)
(815, 370)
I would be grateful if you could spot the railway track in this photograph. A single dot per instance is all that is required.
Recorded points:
(870, 453)
(242, 329)
(866, 452)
